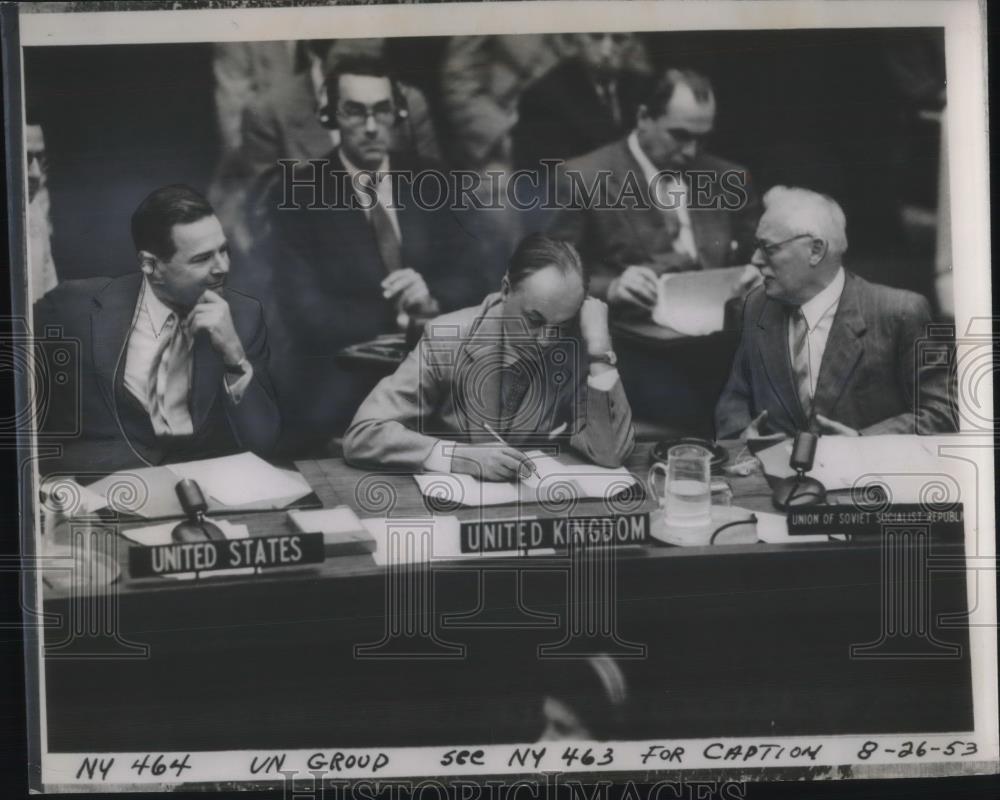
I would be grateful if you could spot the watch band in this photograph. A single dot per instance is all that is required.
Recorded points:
(609, 357)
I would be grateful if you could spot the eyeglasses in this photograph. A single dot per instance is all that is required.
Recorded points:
(355, 113)
(683, 135)
(617, 38)
(770, 249)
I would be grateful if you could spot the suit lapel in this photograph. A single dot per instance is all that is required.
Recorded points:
(644, 221)
(206, 380)
(110, 324)
(479, 375)
(776, 360)
(844, 348)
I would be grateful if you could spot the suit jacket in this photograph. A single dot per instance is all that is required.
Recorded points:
(871, 378)
(450, 386)
(611, 239)
(562, 116)
(327, 289)
(111, 430)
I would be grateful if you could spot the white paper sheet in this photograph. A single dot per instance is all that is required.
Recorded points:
(907, 466)
(586, 481)
(243, 479)
(693, 303)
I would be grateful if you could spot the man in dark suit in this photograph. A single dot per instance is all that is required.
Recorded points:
(588, 100)
(172, 364)
(662, 204)
(372, 260)
(532, 363)
(822, 349)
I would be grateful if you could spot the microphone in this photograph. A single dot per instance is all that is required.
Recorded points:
(195, 528)
(799, 489)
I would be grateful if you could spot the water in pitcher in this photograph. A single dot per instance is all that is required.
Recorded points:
(688, 502)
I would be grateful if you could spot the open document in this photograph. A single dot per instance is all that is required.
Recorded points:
(694, 303)
(241, 482)
(554, 482)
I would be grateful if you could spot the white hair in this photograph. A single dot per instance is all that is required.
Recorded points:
(806, 211)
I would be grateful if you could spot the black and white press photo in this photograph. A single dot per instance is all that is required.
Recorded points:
(492, 395)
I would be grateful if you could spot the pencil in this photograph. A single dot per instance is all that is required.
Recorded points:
(500, 439)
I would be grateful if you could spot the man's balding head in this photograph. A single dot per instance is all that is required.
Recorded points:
(677, 113)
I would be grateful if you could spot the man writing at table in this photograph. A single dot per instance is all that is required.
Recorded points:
(531, 364)
(822, 349)
(173, 366)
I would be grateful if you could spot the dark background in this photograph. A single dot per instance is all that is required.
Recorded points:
(822, 108)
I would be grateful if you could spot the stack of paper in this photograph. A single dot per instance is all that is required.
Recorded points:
(694, 303)
(554, 481)
(241, 482)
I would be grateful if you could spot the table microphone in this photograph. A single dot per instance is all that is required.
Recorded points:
(799, 489)
(195, 528)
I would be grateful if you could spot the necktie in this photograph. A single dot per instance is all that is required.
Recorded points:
(168, 385)
(608, 93)
(801, 369)
(387, 243)
(390, 249)
(673, 195)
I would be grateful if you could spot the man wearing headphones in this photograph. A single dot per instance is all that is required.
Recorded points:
(374, 259)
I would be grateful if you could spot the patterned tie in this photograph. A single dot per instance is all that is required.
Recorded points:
(168, 384)
(801, 369)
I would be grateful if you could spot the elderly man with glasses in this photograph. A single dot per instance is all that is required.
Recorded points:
(822, 349)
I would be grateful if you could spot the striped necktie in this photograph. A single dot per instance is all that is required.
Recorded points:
(801, 369)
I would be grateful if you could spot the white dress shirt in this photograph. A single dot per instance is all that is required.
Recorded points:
(143, 343)
(819, 313)
(670, 194)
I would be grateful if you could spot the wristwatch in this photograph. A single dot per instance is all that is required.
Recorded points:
(239, 368)
(609, 357)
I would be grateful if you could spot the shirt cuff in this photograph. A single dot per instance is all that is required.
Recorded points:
(238, 388)
(604, 382)
(439, 458)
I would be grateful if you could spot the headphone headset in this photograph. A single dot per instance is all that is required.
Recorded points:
(328, 113)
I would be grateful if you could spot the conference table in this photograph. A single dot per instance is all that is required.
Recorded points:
(737, 640)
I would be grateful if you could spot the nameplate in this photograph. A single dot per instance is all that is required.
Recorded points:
(854, 521)
(553, 533)
(287, 550)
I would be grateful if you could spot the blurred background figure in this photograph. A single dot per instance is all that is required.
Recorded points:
(482, 78)
(586, 101)
(584, 700)
(244, 72)
(43, 268)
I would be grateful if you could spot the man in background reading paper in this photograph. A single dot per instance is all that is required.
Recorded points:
(659, 203)
(822, 349)
(172, 364)
(531, 364)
